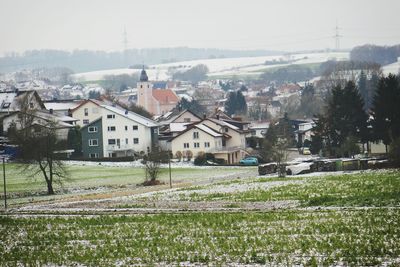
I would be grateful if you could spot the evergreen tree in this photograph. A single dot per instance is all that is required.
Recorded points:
(362, 87)
(236, 104)
(386, 110)
(345, 120)
(230, 104)
(241, 105)
(193, 106)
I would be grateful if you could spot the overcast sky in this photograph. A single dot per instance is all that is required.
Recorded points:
(237, 24)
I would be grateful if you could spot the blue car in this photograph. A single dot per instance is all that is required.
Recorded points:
(249, 161)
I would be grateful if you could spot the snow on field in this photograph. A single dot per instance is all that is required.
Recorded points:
(138, 164)
(219, 66)
(393, 68)
(153, 74)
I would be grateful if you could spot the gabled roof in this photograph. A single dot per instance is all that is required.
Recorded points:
(224, 124)
(94, 101)
(173, 115)
(61, 104)
(165, 96)
(9, 99)
(61, 121)
(204, 128)
(132, 116)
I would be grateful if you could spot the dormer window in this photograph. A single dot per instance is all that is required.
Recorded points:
(31, 105)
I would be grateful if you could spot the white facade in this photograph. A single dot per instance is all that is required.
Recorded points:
(198, 139)
(125, 132)
(87, 112)
(237, 138)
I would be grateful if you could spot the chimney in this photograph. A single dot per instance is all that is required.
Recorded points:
(217, 116)
(126, 112)
(204, 116)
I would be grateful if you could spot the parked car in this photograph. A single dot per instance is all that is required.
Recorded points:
(306, 151)
(249, 161)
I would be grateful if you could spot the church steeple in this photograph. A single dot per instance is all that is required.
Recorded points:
(143, 76)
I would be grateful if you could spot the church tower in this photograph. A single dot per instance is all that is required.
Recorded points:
(144, 92)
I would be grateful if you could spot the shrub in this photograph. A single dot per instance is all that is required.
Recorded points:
(202, 158)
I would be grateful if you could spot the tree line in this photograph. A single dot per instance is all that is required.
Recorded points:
(87, 60)
(345, 122)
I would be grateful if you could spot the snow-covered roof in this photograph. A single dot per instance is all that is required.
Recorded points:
(208, 130)
(178, 126)
(132, 116)
(223, 123)
(61, 105)
(259, 125)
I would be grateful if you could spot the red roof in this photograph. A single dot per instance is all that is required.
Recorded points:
(165, 96)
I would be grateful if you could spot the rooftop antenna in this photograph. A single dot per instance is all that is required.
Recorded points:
(337, 37)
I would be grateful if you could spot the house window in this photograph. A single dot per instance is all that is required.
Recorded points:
(31, 105)
(92, 129)
(111, 128)
(136, 141)
(112, 155)
(206, 144)
(126, 140)
(93, 142)
(85, 121)
(111, 141)
(110, 116)
(186, 120)
(197, 145)
(185, 145)
(226, 129)
(141, 86)
(195, 135)
(134, 127)
(86, 111)
(93, 155)
(126, 128)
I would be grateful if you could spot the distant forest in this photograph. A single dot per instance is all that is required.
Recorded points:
(86, 60)
(372, 53)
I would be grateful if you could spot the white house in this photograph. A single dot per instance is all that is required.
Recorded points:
(115, 132)
(199, 138)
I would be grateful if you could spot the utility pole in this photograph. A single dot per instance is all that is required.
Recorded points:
(337, 37)
(169, 167)
(5, 188)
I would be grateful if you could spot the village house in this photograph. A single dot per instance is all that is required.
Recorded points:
(38, 119)
(173, 123)
(221, 136)
(111, 131)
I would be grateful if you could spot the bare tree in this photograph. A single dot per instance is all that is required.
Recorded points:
(38, 142)
(280, 155)
(37, 146)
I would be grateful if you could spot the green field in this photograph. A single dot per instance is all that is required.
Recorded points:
(365, 189)
(21, 186)
(341, 220)
(350, 237)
